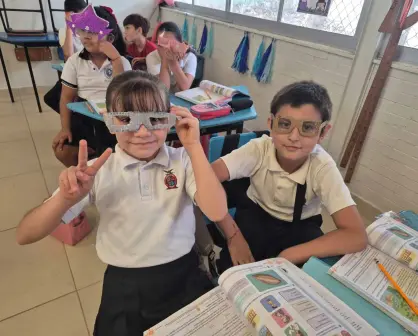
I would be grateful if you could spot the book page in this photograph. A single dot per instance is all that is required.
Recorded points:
(395, 239)
(277, 299)
(211, 314)
(359, 272)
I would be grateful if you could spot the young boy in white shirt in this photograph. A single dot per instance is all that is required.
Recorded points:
(291, 177)
(144, 193)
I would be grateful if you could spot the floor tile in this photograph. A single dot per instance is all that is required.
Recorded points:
(43, 144)
(18, 157)
(11, 109)
(30, 106)
(51, 176)
(31, 275)
(5, 97)
(14, 128)
(61, 317)
(90, 301)
(28, 93)
(19, 194)
(46, 121)
(85, 265)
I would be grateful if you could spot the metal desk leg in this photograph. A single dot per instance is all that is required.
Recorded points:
(32, 78)
(6, 75)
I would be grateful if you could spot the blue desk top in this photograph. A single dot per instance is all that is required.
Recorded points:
(233, 118)
(48, 40)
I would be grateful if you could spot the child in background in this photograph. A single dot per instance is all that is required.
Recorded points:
(86, 76)
(136, 31)
(177, 72)
(70, 44)
(144, 193)
(291, 177)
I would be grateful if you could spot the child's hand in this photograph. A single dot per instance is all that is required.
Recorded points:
(68, 16)
(76, 182)
(60, 138)
(138, 60)
(108, 49)
(239, 250)
(187, 128)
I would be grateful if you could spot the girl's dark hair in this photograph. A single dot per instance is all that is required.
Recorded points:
(138, 21)
(118, 41)
(74, 5)
(170, 27)
(137, 91)
(302, 93)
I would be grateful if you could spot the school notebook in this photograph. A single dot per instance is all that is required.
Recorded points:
(394, 245)
(98, 106)
(271, 297)
(209, 92)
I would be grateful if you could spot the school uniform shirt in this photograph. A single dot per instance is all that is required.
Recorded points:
(82, 74)
(274, 189)
(188, 64)
(146, 209)
(148, 48)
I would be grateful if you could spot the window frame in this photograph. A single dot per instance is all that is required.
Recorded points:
(344, 42)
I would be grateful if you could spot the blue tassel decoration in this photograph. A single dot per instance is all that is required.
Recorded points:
(185, 32)
(241, 55)
(258, 59)
(203, 40)
(193, 34)
(210, 43)
(265, 73)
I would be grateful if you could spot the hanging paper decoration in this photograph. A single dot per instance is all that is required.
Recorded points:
(193, 34)
(185, 32)
(203, 40)
(258, 59)
(241, 55)
(210, 43)
(265, 71)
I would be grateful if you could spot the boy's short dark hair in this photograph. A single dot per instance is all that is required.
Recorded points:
(74, 5)
(301, 93)
(138, 21)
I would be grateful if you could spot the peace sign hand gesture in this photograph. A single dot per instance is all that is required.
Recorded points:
(76, 182)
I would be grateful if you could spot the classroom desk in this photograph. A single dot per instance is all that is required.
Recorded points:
(48, 40)
(232, 122)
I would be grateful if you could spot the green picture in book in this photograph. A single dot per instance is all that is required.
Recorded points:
(393, 299)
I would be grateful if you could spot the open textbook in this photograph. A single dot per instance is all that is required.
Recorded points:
(395, 246)
(271, 297)
(209, 92)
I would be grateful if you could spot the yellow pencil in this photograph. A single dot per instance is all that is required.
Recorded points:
(207, 92)
(396, 286)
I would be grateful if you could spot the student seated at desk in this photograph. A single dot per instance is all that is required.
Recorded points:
(291, 176)
(86, 76)
(175, 71)
(70, 44)
(144, 193)
(136, 31)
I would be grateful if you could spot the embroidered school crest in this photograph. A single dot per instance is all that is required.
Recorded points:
(170, 179)
(108, 72)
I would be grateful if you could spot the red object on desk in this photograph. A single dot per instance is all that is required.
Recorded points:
(73, 232)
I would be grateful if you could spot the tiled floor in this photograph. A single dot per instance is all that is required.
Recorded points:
(46, 289)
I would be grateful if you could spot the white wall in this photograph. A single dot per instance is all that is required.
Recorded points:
(44, 75)
(387, 173)
(295, 60)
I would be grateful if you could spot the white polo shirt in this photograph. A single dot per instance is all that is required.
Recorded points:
(146, 209)
(82, 74)
(275, 190)
(188, 65)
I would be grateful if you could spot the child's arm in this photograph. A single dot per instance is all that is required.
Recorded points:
(349, 237)
(67, 96)
(210, 196)
(184, 80)
(68, 47)
(74, 185)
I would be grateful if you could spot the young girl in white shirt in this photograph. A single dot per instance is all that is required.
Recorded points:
(144, 193)
(176, 71)
(86, 76)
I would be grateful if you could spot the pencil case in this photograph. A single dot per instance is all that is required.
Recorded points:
(74, 231)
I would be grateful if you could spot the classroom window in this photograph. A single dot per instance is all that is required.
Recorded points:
(215, 4)
(263, 9)
(343, 16)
